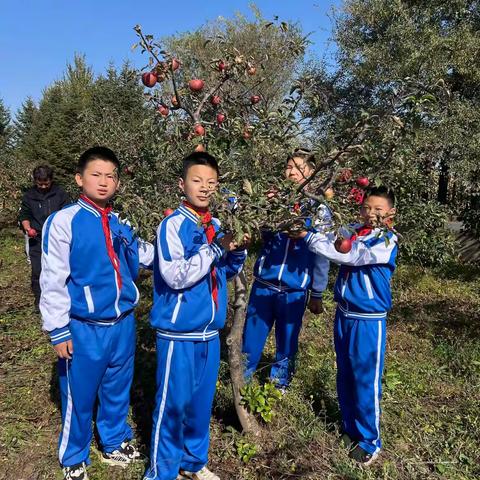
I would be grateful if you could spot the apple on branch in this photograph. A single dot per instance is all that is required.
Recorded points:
(163, 110)
(149, 79)
(199, 130)
(329, 193)
(247, 133)
(345, 175)
(196, 85)
(363, 182)
(175, 64)
(221, 118)
(255, 99)
(215, 100)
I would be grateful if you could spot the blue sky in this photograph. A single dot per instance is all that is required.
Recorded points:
(39, 37)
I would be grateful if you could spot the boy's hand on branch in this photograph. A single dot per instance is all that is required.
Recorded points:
(246, 241)
(64, 349)
(226, 242)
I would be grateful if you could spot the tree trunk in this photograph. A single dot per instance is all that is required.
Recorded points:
(235, 358)
(443, 183)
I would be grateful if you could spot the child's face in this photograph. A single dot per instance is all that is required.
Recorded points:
(376, 210)
(99, 181)
(297, 170)
(199, 185)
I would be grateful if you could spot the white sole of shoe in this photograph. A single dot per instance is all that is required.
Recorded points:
(114, 463)
(372, 459)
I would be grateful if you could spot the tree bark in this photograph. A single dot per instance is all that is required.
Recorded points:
(235, 358)
(443, 183)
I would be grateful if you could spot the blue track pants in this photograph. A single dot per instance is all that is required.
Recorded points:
(101, 368)
(360, 349)
(285, 309)
(186, 380)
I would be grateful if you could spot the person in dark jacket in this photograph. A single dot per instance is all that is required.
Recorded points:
(38, 202)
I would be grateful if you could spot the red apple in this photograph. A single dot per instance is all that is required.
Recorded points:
(196, 85)
(221, 65)
(251, 70)
(200, 148)
(345, 175)
(343, 245)
(246, 133)
(175, 64)
(163, 110)
(255, 99)
(215, 100)
(221, 117)
(174, 101)
(167, 212)
(363, 182)
(199, 130)
(149, 79)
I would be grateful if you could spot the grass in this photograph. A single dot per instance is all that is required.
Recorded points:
(431, 402)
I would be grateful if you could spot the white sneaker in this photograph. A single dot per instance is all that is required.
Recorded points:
(203, 474)
(76, 472)
(122, 457)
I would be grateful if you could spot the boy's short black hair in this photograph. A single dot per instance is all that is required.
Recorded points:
(97, 153)
(42, 173)
(305, 154)
(384, 192)
(199, 158)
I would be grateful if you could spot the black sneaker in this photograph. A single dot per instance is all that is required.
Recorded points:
(122, 457)
(346, 441)
(76, 472)
(362, 456)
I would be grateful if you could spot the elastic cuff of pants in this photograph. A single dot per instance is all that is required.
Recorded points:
(368, 447)
(60, 335)
(191, 467)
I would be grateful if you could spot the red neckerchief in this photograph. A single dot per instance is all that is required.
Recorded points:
(108, 237)
(361, 232)
(207, 224)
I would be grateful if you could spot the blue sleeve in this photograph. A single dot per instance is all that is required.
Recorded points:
(234, 261)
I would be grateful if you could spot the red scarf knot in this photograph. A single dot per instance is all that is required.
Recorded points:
(108, 237)
(206, 220)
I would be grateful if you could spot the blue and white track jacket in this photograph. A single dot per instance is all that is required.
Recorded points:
(362, 289)
(183, 307)
(288, 264)
(78, 279)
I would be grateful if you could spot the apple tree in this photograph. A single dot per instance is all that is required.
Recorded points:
(237, 89)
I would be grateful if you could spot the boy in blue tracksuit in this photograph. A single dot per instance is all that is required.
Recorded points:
(90, 260)
(285, 272)
(191, 269)
(363, 296)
